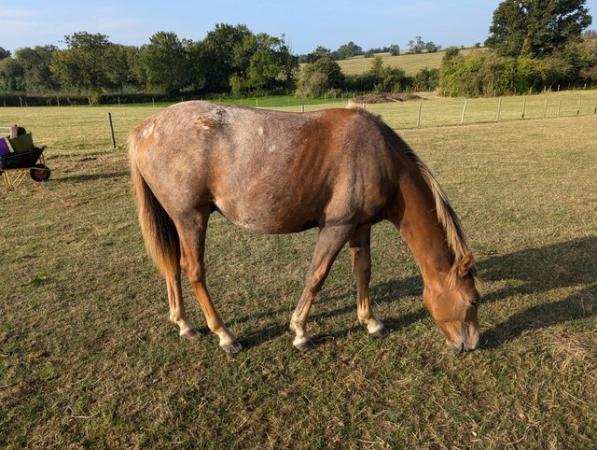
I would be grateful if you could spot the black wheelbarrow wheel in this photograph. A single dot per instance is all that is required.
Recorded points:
(40, 172)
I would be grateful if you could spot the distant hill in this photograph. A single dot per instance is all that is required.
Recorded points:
(411, 63)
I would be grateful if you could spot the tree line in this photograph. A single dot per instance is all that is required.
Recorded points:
(230, 59)
(533, 45)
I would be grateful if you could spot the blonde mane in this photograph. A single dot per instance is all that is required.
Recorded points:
(455, 237)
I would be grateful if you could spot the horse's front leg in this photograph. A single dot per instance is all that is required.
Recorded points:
(329, 242)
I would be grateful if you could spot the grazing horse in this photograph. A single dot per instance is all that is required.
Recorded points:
(341, 170)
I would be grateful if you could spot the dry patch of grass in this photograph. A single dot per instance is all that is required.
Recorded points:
(88, 358)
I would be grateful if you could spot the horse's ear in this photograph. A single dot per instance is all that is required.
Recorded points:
(465, 264)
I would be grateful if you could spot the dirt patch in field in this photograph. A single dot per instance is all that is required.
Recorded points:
(385, 98)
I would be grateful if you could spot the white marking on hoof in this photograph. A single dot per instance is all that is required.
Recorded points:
(189, 333)
(232, 348)
(228, 341)
(374, 326)
(304, 344)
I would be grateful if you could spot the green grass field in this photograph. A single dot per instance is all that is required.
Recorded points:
(441, 111)
(411, 63)
(88, 358)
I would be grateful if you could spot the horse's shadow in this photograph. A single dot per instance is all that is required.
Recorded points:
(561, 265)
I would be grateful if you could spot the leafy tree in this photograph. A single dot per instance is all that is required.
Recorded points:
(417, 45)
(11, 75)
(394, 49)
(431, 47)
(426, 79)
(377, 66)
(320, 77)
(165, 62)
(123, 67)
(536, 27)
(348, 51)
(218, 59)
(451, 52)
(318, 53)
(83, 64)
(36, 63)
(272, 66)
(4, 53)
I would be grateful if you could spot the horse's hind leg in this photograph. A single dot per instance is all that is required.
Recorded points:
(360, 250)
(177, 311)
(192, 231)
(330, 241)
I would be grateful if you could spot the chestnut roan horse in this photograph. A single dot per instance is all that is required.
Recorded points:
(341, 170)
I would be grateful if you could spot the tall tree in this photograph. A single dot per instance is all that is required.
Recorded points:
(165, 61)
(536, 27)
(318, 53)
(272, 65)
(36, 65)
(11, 75)
(83, 64)
(4, 53)
(122, 67)
(348, 51)
(219, 58)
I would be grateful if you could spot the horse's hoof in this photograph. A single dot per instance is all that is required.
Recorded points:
(380, 333)
(190, 334)
(304, 346)
(233, 347)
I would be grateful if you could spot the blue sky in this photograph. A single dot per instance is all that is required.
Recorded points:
(305, 23)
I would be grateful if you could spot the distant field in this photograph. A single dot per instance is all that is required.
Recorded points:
(439, 111)
(409, 62)
(89, 360)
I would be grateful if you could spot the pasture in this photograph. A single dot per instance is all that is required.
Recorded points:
(411, 63)
(89, 359)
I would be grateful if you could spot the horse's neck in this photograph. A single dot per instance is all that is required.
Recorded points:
(422, 231)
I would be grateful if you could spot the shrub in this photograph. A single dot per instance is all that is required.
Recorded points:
(319, 77)
(488, 74)
(426, 79)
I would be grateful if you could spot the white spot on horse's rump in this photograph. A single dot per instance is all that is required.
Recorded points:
(272, 148)
(260, 131)
(148, 130)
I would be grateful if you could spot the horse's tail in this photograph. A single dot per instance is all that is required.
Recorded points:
(159, 233)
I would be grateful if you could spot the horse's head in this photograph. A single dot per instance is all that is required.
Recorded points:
(453, 305)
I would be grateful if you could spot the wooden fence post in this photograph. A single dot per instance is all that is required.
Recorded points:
(524, 106)
(302, 107)
(463, 112)
(578, 107)
(153, 102)
(112, 131)
(559, 107)
(419, 114)
(499, 110)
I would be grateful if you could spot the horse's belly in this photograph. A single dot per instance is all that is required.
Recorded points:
(270, 219)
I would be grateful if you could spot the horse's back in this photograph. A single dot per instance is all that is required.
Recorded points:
(266, 170)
